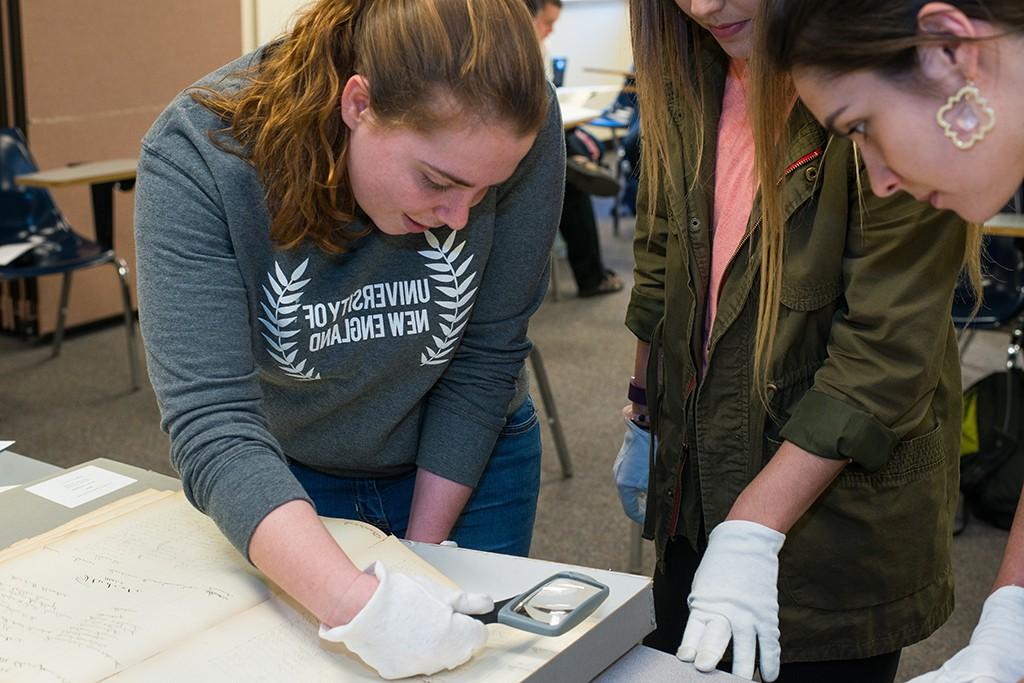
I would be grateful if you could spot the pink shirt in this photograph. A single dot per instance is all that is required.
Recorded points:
(735, 183)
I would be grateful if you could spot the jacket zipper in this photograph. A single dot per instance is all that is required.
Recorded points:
(800, 163)
(677, 490)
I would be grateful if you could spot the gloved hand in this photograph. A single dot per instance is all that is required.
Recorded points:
(412, 625)
(631, 470)
(996, 651)
(735, 596)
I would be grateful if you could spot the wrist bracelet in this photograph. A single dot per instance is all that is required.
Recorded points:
(641, 421)
(636, 394)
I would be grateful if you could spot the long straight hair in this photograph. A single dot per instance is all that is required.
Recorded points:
(668, 49)
(481, 55)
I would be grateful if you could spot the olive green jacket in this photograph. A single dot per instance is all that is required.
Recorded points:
(864, 367)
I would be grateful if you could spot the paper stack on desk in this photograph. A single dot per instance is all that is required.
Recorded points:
(147, 589)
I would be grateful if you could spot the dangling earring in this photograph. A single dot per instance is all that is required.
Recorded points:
(966, 117)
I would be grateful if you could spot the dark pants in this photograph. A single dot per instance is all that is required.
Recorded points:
(579, 226)
(671, 590)
(579, 230)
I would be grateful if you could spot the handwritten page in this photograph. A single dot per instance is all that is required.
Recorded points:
(277, 641)
(96, 602)
(148, 590)
(116, 509)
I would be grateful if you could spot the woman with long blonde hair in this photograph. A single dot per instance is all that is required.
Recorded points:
(932, 93)
(341, 238)
(797, 363)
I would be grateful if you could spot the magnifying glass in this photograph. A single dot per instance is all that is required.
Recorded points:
(552, 607)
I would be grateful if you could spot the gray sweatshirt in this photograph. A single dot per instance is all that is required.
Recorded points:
(403, 352)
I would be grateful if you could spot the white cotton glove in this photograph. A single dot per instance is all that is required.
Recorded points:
(996, 651)
(412, 625)
(735, 596)
(631, 470)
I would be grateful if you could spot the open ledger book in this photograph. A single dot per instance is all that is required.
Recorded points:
(147, 589)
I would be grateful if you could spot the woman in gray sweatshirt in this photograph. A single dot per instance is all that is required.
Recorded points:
(341, 238)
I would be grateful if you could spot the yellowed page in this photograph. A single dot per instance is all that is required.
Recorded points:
(91, 519)
(277, 640)
(99, 600)
(138, 577)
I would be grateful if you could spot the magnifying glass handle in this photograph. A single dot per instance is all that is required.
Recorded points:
(492, 616)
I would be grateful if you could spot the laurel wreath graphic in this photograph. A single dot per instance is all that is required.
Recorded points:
(284, 301)
(448, 271)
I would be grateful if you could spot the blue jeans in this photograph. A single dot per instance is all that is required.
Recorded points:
(498, 517)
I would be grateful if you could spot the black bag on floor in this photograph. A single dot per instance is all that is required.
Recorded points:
(992, 447)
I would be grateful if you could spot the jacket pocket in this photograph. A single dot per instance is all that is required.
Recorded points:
(873, 538)
(810, 295)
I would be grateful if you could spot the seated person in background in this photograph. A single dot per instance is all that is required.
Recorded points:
(585, 177)
(340, 239)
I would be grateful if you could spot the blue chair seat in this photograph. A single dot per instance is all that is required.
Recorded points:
(29, 214)
(604, 122)
(57, 250)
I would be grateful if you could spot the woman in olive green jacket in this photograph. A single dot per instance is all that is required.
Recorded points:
(808, 425)
(953, 73)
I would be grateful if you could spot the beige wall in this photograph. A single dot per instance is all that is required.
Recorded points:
(97, 73)
(591, 33)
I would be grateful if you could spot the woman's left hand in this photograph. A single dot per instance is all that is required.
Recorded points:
(996, 651)
(735, 597)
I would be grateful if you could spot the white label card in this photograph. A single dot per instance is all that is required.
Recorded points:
(9, 252)
(81, 486)
(4, 445)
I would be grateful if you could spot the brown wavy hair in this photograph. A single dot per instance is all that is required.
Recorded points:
(480, 55)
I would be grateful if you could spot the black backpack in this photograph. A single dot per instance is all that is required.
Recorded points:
(992, 447)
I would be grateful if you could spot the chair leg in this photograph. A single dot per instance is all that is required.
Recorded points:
(964, 339)
(636, 549)
(554, 276)
(62, 313)
(618, 179)
(551, 411)
(129, 319)
(1016, 338)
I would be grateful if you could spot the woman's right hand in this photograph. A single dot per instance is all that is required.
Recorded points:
(411, 625)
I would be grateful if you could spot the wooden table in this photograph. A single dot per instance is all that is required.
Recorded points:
(1005, 225)
(102, 177)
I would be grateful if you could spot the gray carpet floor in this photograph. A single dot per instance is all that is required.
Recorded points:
(78, 407)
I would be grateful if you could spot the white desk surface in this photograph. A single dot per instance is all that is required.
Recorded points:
(580, 95)
(573, 116)
(1006, 225)
(639, 664)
